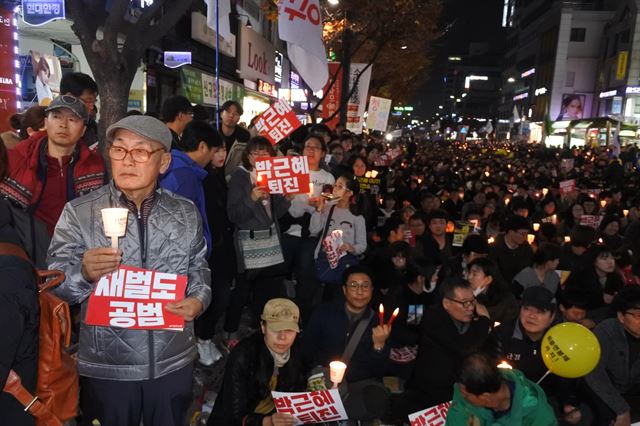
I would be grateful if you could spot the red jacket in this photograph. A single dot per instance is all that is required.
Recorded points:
(27, 172)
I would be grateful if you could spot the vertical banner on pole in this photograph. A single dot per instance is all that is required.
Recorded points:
(332, 96)
(358, 99)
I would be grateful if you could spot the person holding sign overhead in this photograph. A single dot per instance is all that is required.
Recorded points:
(255, 213)
(129, 375)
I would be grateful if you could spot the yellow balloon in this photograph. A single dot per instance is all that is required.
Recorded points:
(570, 350)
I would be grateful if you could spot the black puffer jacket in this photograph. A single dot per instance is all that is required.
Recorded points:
(246, 382)
(19, 322)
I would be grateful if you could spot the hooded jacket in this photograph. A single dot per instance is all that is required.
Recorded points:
(173, 243)
(529, 406)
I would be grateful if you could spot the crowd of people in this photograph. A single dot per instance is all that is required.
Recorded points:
(482, 246)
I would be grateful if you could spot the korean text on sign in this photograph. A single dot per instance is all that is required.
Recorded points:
(135, 298)
(278, 121)
(434, 416)
(302, 9)
(283, 175)
(311, 407)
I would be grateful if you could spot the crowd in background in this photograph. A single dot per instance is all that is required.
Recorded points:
(482, 245)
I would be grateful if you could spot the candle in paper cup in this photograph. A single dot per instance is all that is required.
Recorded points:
(567, 239)
(554, 219)
(545, 191)
(603, 203)
(491, 240)
(531, 238)
(311, 189)
(115, 224)
(625, 212)
(536, 227)
(336, 372)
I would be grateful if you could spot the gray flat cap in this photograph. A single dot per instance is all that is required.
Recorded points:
(145, 126)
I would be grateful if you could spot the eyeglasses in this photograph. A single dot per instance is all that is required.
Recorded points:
(635, 315)
(139, 155)
(465, 303)
(355, 285)
(313, 148)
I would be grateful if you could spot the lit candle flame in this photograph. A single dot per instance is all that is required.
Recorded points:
(531, 238)
(536, 227)
(545, 191)
(491, 240)
(603, 203)
(625, 212)
(567, 239)
(395, 313)
(505, 365)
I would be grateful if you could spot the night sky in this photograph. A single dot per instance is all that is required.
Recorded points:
(469, 21)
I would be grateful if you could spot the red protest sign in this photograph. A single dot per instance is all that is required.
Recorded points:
(434, 416)
(283, 175)
(331, 102)
(135, 298)
(567, 186)
(311, 407)
(278, 121)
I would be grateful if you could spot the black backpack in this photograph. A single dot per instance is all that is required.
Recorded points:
(33, 233)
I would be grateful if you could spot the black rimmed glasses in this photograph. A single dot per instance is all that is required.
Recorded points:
(139, 155)
(355, 286)
(465, 303)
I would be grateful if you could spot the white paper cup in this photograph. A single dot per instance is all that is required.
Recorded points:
(336, 371)
(115, 223)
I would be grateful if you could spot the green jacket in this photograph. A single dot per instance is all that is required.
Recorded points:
(529, 407)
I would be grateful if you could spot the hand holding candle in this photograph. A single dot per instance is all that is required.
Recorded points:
(115, 224)
(336, 372)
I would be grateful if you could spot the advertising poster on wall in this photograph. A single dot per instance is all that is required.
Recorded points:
(47, 74)
(572, 107)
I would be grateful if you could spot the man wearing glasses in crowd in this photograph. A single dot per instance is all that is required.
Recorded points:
(450, 330)
(328, 335)
(129, 375)
(51, 167)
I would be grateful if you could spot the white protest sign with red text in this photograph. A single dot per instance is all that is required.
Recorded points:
(434, 416)
(589, 220)
(283, 175)
(311, 407)
(135, 298)
(278, 122)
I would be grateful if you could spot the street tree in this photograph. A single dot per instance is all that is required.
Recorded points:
(114, 35)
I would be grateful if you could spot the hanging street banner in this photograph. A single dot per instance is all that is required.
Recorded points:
(300, 25)
(40, 12)
(358, 100)
(378, 113)
(332, 97)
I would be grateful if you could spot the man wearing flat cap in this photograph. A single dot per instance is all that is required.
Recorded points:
(132, 375)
